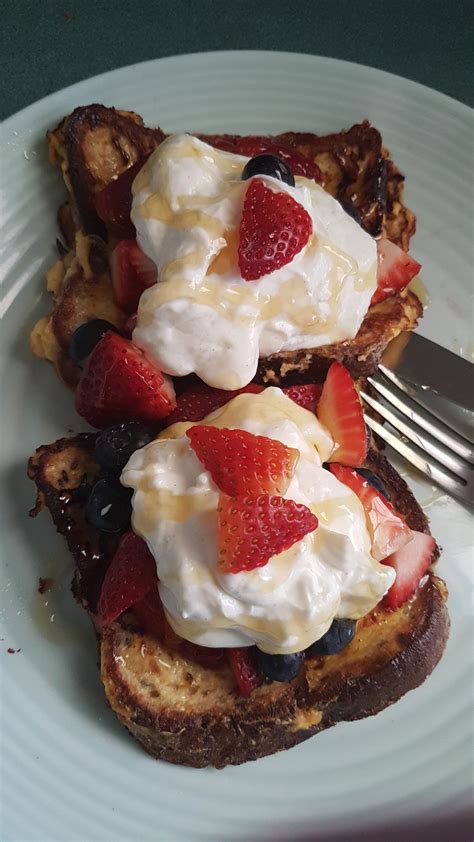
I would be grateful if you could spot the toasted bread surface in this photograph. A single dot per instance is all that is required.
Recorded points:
(95, 144)
(188, 714)
(84, 291)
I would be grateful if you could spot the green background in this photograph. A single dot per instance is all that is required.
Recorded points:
(50, 44)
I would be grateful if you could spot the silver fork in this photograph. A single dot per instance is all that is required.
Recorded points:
(438, 451)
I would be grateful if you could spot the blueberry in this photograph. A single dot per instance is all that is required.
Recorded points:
(337, 637)
(268, 165)
(115, 445)
(352, 211)
(85, 338)
(279, 667)
(373, 480)
(109, 506)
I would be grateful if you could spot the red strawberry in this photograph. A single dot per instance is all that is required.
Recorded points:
(340, 411)
(130, 326)
(114, 203)
(129, 577)
(244, 667)
(306, 396)
(252, 529)
(198, 401)
(119, 383)
(395, 269)
(251, 146)
(274, 227)
(203, 655)
(150, 613)
(151, 617)
(241, 463)
(388, 530)
(132, 272)
(410, 562)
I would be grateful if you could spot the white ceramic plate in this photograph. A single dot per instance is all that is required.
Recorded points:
(69, 770)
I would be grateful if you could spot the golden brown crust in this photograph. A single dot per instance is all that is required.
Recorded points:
(95, 144)
(213, 725)
(360, 355)
(185, 713)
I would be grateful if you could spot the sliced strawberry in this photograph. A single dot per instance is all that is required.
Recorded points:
(388, 530)
(132, 273)
(241, 463)
(273, 229)
(130, 326)
(150, 614)
(203, 655)
(129, 577)
(198, 401)
(395, 269)
(151, 617)
(306, 396)
(244, 667)
(255, 145)
(119, 383)
(253, 528)
(340, 411)
(410, 563)
(114, 203)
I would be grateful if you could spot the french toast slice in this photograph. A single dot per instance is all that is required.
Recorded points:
(95, 144)
(188, 714)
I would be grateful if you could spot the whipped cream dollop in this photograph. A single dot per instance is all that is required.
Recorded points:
(291, 601)
(202, 316)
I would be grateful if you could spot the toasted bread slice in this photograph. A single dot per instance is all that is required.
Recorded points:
(82, 290)
(188, 714)
(95, 144)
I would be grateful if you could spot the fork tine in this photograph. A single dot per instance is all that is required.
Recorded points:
(422, 440)
(455, 486)
(407, 406)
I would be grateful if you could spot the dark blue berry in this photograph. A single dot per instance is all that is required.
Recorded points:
(279, 667)
(268, 165)
(373, 480)
(109, 507)
(337, 637)
(115, 445)
(85, 338)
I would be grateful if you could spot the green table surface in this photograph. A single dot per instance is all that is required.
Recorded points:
(50, 44)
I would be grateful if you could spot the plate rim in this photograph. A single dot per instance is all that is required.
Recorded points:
(461, 107)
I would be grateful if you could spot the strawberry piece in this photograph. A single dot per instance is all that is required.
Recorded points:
(130, 326)
(241, 463)
(244, 667)
(132, 273)
(253, 528)
(273, 229)
(129, 577)
(206, 656)
(254, 145)
(119, 383)
(388, 530)
(306, 396)
(410, 563)
(114, 203)
(150, 614)
(340, 411)
(151, 617)
(395, 269)
(198, 401)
